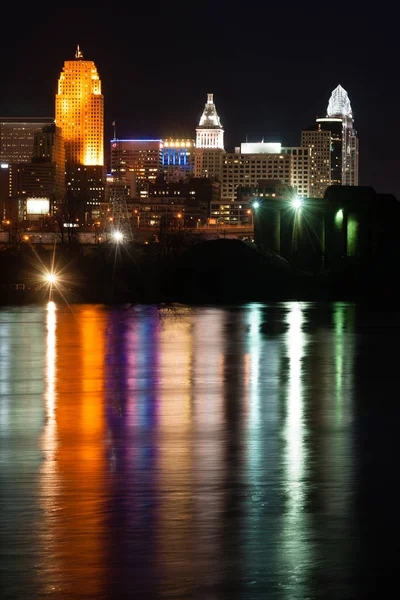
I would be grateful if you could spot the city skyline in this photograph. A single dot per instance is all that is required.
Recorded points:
(267, 83)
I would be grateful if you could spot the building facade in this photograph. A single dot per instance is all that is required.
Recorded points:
(41, 177)
(79, 109)
(17, 137)
(209, 151)
(143, 157)
(178, 159)
(333, 145)
(256, 161)
(48, 148)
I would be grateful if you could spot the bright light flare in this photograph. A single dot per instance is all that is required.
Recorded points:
(50, 278)
(297, 203)
(256, 204)
(117, 236)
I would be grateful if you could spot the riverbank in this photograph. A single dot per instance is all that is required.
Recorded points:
(217, 272)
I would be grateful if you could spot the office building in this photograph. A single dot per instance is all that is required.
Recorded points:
(43, 176)
(143, 157)
(252, 162)
(333, 144)
(209, 149)
(79, 107)
(17, 137)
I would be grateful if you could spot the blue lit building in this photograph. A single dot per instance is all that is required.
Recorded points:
(178, 159)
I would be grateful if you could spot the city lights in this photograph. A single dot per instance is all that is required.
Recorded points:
(256, 204)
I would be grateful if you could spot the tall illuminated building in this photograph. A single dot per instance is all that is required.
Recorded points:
(80, 115)
(209, 143)
(333, 144)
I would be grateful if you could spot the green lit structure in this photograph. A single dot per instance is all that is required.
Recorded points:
(315, 233)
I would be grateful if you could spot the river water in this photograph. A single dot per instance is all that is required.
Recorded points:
(210, 453)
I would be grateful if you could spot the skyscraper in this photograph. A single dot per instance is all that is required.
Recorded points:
(333, 143)
(209, 143)
(80, 115)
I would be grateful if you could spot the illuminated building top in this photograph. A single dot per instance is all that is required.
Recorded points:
(80, 111)
(339, 103)
(178, 143)
(210, 118)
(209, 133)
(261, 148)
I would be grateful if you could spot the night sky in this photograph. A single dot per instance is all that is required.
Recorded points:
(271, 67)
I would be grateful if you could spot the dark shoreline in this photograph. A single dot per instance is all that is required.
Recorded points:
(221, 272)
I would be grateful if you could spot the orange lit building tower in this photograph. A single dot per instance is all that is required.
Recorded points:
(80, 115)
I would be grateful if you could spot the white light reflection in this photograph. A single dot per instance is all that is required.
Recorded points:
(175, 459)
(253, 368)
(295, 538)
(4, 377)
(209, 427)
(49, 439)
(294, 422)
(49, 479)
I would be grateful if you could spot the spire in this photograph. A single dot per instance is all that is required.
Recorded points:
(339, 103)
(78, 53)
(209, 118)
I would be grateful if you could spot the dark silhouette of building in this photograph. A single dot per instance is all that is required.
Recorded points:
(351, 222)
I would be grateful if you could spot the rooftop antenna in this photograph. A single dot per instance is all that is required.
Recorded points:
(78, 53)
(115, 131)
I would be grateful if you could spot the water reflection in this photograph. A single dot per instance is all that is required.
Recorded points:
(49, 475)
(72, 474)
(297, 542)
(204, 452)
(22, 350)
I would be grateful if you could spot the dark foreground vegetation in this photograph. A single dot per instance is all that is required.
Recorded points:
(222, 271)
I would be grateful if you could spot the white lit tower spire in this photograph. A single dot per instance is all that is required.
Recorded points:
(209, 143)
(209, 133)
(333, 145)
(339, 107)
(339, 104)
